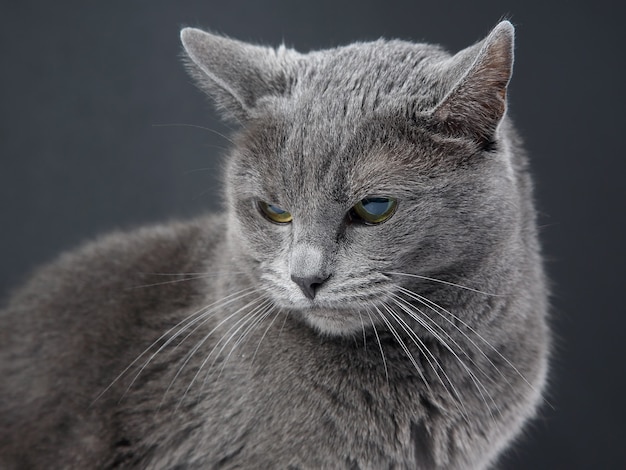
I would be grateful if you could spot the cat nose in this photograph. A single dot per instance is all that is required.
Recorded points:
(309, 284)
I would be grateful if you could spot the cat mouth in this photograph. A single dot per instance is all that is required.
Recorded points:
(324, 306)
(329, 303)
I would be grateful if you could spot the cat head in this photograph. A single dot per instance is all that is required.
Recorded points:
(358, 163)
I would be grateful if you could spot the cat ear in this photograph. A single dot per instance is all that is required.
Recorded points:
(237, 75)
(477, 102)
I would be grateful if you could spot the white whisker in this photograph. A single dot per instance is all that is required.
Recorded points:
(242, 293)
(363, 329)
(406, 307)
(173, 281)
(191, 353)
(404, 347)
(261, 313)
(382, 354)
(207, 273)
(426, 278)
(283, 325)
(493, 348)
(278, 312)
(426, 353)
(194, 126)
(249, 316)
(431, 305)
(202, 316)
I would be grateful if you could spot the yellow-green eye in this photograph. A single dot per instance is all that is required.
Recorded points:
(274, 213)
(375, 210)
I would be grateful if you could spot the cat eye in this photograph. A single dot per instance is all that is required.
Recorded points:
(374, 210)
(274, 213)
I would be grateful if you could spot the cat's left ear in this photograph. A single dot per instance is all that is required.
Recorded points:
(477, 102)
(235, 74)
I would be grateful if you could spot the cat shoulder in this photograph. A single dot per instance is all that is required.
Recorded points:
(123, 261)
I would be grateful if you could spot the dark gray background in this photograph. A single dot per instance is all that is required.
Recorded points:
(86, 87)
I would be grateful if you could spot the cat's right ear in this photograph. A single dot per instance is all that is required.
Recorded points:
(235, 74)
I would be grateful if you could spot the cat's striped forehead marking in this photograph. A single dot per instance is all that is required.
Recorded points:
(360, 79)
(310, 166)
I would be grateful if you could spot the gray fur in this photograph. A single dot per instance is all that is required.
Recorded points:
(98, 371)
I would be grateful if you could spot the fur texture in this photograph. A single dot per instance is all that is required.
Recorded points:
(421, 341)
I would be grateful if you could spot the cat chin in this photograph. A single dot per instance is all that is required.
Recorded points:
(333, 322)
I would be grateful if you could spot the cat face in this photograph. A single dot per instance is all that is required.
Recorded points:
(448, 208)
(359, 165)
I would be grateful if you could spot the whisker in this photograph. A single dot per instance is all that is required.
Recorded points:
(278, 312)
(199, 325)
(363, 328)
(207, 273)
(403, 346)
(426, 352)
(380, 346)
(493, 348)
(202, 318)
(283, 325)
(194, 126)
(426, 278)
(241, 292)
(261, 313)
(477, 383)
(431, 305)
(191, 353)
(174, 281)
(243, 321)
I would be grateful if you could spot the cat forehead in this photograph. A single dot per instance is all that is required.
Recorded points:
(285, 160)
(379, 61)
(369, 76)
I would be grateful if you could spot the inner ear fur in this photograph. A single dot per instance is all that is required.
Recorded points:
(477, 102)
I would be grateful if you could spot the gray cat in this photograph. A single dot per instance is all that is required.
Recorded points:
(372, 296)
